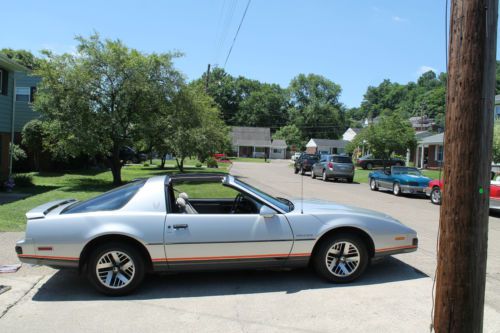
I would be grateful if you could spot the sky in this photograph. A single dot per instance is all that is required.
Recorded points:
(353, 43)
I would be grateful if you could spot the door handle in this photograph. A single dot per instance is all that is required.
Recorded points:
(180, 226)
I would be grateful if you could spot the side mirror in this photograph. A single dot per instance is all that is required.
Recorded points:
(267, 212)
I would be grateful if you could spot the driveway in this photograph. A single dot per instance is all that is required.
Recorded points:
(393, 296)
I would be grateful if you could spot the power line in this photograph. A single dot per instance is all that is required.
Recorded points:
(237, 31)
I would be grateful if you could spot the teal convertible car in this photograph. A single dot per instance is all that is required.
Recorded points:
(399, 180)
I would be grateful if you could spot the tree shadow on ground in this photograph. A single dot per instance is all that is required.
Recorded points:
(67, 285)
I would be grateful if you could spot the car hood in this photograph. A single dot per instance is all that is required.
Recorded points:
(413, 178)
(316, 207)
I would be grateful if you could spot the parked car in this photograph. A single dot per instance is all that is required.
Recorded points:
(435, 188)
(295, 156)
(305, 162)
(399, 180)
(151, 225)
(369, 162)
(128, 154)
(333, 167)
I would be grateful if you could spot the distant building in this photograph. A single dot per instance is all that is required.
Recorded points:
(256, 142)
(17, 91)
(350, 133)
(423, 123)
(497, 107)
(326, 146)
(430, 151)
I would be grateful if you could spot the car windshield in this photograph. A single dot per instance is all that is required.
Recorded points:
(341, 159)
(282, 203)
(406, 171)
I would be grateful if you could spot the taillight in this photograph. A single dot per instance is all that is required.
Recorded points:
(330, 165)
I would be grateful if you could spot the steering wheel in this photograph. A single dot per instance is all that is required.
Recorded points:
(236, 203)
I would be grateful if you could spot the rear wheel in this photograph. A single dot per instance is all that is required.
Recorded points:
(341, 258)
(350, 179)
(373, 185)
(324, 177)
(436, 196)
(295, 170)
(313, 176)
(115, 269)
(302, 171)
(369, 166)
(396, 189)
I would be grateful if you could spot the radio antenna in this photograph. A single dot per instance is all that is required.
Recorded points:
(302, 193)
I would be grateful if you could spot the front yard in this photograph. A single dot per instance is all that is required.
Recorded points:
(79, 185)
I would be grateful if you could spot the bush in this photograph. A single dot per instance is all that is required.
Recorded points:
(212, 163)
(23, 180)
(146, 164)
(198, 164)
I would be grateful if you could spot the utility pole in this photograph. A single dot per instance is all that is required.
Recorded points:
(461, 268)
(208, 78)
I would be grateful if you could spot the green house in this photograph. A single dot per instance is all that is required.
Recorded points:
(17, 92)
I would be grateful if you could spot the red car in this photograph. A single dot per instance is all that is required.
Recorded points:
(435, 186)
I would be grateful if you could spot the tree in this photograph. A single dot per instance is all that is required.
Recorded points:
(392, 134)
(315, 107)
(291, 134)
(194, 126)
(95, 102)
(496, 142)
(22, 57)
(34, 135)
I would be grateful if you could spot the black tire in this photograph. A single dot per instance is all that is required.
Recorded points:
(368, 166)
(321, 258)
(302, 171)
(350, 180)
(373, 185)
(135, 256)
(436, 195)
(313, 176)
(396, 189)
(296, 171)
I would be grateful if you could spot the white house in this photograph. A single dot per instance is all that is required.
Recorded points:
(326, 146)
(350, 133)
(278, 149)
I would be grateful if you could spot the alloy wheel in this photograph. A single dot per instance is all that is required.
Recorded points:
(436, 196)
(115, 269)
(324, 176)
(342, 259)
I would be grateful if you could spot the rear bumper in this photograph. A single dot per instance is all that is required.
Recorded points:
(339, 173)
(25, 250)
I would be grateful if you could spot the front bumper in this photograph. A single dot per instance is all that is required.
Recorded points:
(413, 189)
(383, 252)
(495, 203)
(428, 191)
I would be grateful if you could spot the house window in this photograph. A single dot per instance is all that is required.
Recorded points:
(23, 94)
(276, 151)
(439, 153)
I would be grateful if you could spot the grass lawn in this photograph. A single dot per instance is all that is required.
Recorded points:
(82, 185)
(361, 176)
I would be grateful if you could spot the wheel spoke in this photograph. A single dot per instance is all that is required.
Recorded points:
(104, 266)
(342, 259)
(115, 269)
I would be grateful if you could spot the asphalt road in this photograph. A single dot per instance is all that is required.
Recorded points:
(393, 295)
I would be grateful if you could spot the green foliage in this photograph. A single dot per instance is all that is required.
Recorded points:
(194, 126)
(198, 165)
(18, 153)
(22, 57)
(291, 134)
(391, 135)
(496, 143)
(23, 180)
(315, 107)
(101, 99)
(212, 163)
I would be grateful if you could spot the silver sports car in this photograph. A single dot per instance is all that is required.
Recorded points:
(204, 222)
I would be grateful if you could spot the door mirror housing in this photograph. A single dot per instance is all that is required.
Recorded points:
(267, 212)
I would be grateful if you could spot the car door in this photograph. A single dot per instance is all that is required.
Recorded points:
(206, 241)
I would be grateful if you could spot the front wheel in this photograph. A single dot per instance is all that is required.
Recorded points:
(373, 185)
(341, 258)
(313, 176)
(115, 269)
(396, 189)
(436, 196)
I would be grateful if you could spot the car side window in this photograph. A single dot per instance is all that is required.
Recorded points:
(111, 200)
